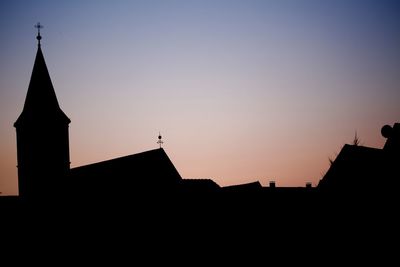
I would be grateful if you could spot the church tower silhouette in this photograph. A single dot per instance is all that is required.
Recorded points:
(42, 134)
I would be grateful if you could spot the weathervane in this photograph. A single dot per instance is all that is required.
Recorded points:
(38, 26)
(160, 141)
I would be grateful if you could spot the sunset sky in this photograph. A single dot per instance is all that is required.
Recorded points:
(242, 91)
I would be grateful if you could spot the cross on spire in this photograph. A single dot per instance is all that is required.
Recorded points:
(38, 26)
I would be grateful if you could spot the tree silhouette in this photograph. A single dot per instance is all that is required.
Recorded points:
(356, 140)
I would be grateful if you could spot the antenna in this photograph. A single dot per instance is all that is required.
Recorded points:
(160, 141)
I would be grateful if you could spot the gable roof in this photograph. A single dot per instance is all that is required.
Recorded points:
(355, 167)
(246, 187)
(150, 169)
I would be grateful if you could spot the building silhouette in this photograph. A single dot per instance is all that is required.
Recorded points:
(42, 134)
(44, 162)
(140, 205)
(359, 170)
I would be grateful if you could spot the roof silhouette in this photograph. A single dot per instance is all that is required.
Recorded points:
(41, 102)
(149, 170)
(359, 170)
(98, 197)
(246, 187)
(355, 166)
(44, 164)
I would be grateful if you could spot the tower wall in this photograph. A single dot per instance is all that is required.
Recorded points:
(43, 158)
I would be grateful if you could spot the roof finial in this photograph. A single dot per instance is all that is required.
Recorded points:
(160, 141)
(38, 37)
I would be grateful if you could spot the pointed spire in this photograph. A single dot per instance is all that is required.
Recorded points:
(41, 100)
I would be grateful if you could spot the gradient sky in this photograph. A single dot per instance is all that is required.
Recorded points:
(241, 91)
